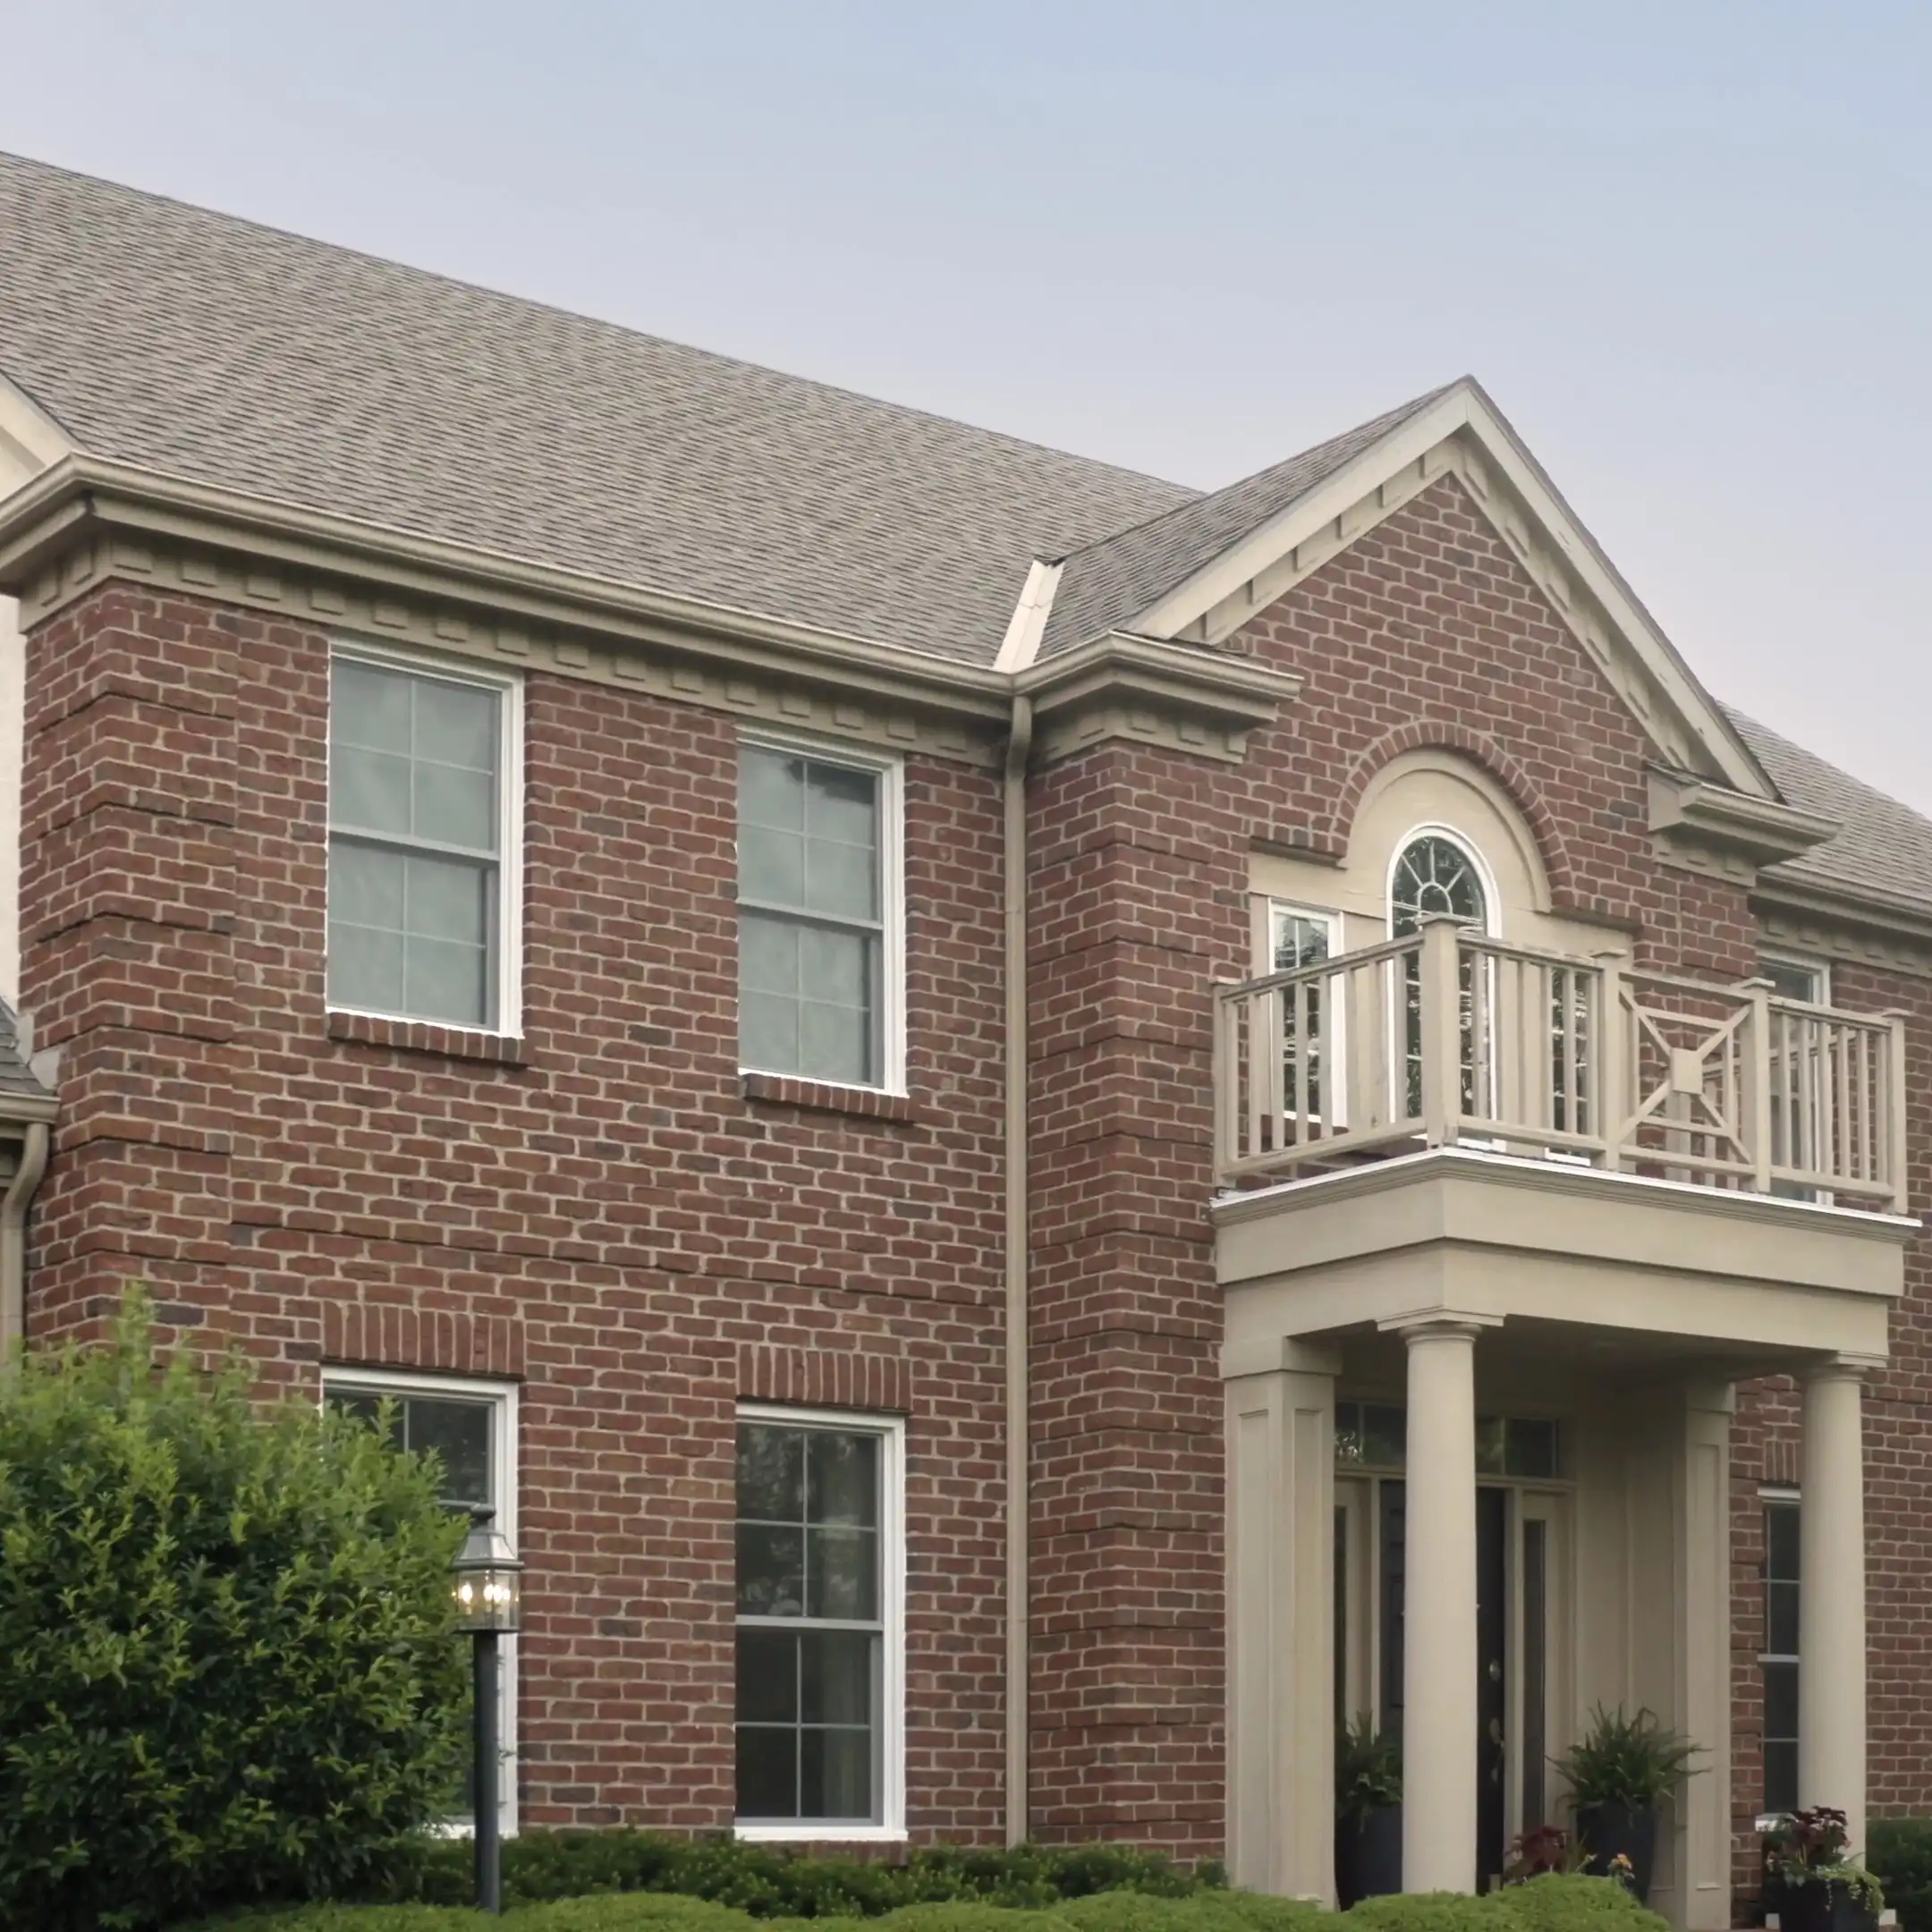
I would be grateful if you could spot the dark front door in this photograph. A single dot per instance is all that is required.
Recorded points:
(1492, 1686)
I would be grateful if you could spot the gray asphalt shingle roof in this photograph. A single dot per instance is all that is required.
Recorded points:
(1105, 583)
(16, 1078)
(1882, 844)
(205, 347)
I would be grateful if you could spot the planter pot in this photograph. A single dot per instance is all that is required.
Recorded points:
(1829, 1907)
(1367, 1855)
(1606, 1830)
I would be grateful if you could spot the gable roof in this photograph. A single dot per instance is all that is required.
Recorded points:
(1106, 585)
(202, 347)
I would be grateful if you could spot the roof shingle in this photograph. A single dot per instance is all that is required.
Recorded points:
(210, 348)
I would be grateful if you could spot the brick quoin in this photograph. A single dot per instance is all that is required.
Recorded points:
(611, 1213)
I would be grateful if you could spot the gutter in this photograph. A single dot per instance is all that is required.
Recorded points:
(35, 1139)
(1019, 1391)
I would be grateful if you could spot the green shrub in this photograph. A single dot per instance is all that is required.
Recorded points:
(1425, 1912)
(1572, 1903)
(1900, 1850)
(769, 1882)
(227, 1667)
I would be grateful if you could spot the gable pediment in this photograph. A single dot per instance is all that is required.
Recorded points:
(1461, 434)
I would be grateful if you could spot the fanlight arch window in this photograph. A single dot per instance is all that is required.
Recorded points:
(1434, 873)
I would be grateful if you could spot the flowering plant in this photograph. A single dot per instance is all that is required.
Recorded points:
(1813, 1847)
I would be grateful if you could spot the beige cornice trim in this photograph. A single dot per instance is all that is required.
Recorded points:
(1149, 690)
(85, 520)
(1845, 922)
(1691, 815)
(84, 494)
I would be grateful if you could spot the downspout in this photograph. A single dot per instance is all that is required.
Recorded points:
(1019, 744)
(13, 1205)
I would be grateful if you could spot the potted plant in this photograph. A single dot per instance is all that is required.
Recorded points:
(1368, 1813)
(1820, 1887)
(1619, 1773)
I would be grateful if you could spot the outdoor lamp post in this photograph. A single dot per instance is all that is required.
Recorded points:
(488, 1600)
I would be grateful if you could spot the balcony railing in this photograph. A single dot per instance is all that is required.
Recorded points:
(1446, 1038)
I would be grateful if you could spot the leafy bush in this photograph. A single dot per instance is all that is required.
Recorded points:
(226, 1667)
(772, 1884)
(1900, 1851)
(1556, 1904)
(1559, 1902)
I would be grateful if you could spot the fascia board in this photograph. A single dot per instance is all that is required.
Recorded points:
(1303, 518)
(1599, 577)
(42, 519)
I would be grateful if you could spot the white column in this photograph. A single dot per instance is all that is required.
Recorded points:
(1281, 1601)
(1439, 1613)
(1831, 1598)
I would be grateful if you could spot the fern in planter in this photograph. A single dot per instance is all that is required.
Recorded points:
(1619, 1772)
(1367, 1796)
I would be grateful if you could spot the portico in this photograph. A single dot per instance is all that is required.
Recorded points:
(1525, 1511)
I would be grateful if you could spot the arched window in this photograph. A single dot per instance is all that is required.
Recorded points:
(1435, 874)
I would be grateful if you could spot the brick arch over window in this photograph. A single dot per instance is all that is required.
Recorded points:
(1445, 735)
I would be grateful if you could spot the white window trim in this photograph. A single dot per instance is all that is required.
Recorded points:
(890, 771)
(1272, 911)
(510, 809)
(1492, 898)
(891, 1828)
(503, 1397)
(1819, 968)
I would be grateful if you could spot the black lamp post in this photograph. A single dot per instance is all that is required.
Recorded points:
(488, 1604)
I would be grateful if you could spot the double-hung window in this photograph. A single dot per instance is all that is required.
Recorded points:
(820, 1627)
(820, 915)
(472, 1428)
(422, 884)
(1311, 1024)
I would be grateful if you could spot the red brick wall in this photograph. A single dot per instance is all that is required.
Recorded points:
(611, 1220)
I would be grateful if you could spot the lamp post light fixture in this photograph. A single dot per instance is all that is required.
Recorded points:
(489, 1594)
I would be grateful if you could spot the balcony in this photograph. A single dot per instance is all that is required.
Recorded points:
(1446, 1039)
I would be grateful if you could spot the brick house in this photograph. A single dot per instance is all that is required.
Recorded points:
(780, 972)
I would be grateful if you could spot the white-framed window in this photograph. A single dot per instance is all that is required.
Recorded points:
(1796, 979)
(1778, 1662)
(821, 1625)
(1810, 980)
(821, 913)
(425, 875)
(1312, 1022)
(472, 1426)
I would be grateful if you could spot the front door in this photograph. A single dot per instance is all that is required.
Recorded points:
(1519, 1653)
(1492, 1684)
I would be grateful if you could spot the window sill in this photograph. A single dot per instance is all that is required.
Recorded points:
(825, 1096)
(827, 1833)
(428, 1037)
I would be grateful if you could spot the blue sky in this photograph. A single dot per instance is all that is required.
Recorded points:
(1687, 248)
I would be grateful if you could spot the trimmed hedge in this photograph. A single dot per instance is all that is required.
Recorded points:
(1900, 1851)
(769, 1884)
(1551, 1904)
